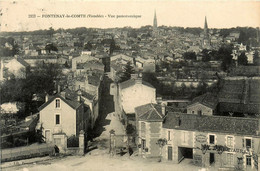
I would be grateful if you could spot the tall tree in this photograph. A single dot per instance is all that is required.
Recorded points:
(256, 58)
(128, 70)
(242, 59)
(224, 54)
(205, 55)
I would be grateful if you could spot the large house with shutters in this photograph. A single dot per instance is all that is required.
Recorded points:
(207, 140)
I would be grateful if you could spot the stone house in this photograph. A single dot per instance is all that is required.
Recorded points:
(203, 105)
(211, 140)
(149, 119)
(62, 115)
(206, 140)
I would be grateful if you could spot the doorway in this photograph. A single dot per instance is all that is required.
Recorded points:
(211, 158)
(184, 152)
(169, 153)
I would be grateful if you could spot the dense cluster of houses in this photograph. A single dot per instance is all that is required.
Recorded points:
(196, 130)
(191, 129)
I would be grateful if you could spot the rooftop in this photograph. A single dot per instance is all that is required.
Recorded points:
(70, 100)
(21, 61)
(132, 82)
(222, 124)
(207, 99)
(149, 112)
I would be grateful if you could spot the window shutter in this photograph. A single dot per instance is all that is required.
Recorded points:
(243, 142)
(252, 144)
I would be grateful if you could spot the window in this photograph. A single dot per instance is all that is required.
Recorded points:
(248, 143)
(193, 112)
(179, 122)
(57, 104)
(212, 139)
(143, 144)
(248, 161)
(57, 117)
(169, 135)
(229, 141)
(199, 112)
(230, 158)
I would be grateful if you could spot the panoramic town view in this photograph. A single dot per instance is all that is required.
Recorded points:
(153, 97)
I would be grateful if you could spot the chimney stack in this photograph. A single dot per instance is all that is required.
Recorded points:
(46, 97)
(58, 88)
(63, 94)
(163, 108)
(79, 95)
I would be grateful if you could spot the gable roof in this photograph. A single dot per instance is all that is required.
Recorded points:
(93, 80)
(72, 103)
(223, 124)
(207, 99)
(149, 112)
(22, 61)
(241, 95)
(87, 95)
(132, 82)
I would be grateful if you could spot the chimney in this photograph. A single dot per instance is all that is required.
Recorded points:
(163, 108)
(79, 95)
(46, 97)
(58, 88)
(63, 94)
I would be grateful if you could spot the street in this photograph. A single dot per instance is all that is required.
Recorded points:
(100, 159)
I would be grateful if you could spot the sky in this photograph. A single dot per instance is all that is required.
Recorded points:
(188, 13)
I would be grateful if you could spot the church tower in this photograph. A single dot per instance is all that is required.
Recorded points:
(155, 30)
(155, 21)
(206, 31)
(206, 40)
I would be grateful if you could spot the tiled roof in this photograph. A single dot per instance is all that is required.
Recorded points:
(21, 61)
(239, 107)
(231, 125)
(131, 82)
(72, 103)
(93, 65)
(207, 99)
(241, 95)
(87, 95)
(149, 112)
(93, 80)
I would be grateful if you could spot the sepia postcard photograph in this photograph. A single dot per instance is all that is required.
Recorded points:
(130, 85)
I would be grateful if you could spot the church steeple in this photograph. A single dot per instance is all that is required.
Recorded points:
(155, 21)
(206, 32)
(206, 39)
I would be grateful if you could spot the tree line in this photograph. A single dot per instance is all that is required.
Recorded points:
(37, 83)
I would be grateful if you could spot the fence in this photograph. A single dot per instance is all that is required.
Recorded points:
(35, 150)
